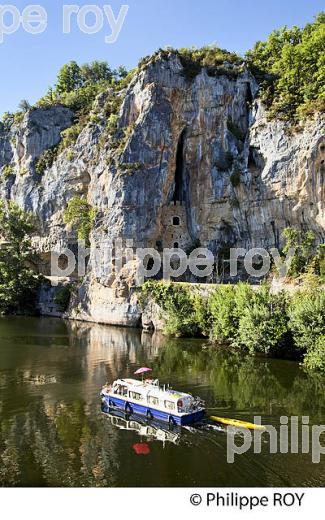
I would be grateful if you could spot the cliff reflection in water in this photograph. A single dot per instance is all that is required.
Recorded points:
(52, 430)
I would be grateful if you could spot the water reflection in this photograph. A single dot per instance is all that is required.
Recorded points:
(53, 432)
(147, 430)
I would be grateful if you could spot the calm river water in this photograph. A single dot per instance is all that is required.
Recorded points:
(53, 432)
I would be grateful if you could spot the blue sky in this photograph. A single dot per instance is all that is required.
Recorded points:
(29, 63)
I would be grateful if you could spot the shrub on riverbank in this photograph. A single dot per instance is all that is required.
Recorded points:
(307, 323)
(251, 320)
(18, 282)
(263, 324)
(179, 304)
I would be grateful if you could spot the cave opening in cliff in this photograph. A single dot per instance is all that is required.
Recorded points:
(178, 195)
(249, 94)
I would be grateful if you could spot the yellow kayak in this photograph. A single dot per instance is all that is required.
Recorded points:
(235, 422)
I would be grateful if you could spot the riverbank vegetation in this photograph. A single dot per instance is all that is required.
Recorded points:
(18, 281)
(246, 318)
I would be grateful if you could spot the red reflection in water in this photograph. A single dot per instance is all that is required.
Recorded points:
(141, 448)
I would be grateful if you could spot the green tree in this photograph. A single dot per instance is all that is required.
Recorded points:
(315, 357)
(307, 317)
(81, 216)
(222, 309)
(304, 245)
(290, 69)
(263, 325)
(18, 282)
(179, 305)
(69, 78)
(307, 322)
(7, 120)
(121, 73)
(96, 72)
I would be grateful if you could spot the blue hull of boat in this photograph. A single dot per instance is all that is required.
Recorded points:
(151, 413)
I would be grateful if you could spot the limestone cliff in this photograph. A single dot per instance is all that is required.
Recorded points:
(198, 163)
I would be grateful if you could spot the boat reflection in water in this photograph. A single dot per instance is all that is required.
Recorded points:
(149, 429)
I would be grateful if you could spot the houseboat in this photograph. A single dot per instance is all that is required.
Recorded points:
(152, 400)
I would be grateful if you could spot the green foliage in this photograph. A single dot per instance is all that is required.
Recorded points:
(18, 283)
(180, 305)
(7, 121)
(252, 320)
(130, 168)
(221, 305)
(97, 71)
(62, 298)
(307, 317)
(23, 171)
(290, 66)
(247, 319)
(70, 155)
(303, 243)
(81, 216)
(7, 171)
(45, 161)
(320, 262)
(234, 378)
(111, 110)
(263, 325)
(217, 61)
(315, 357)
(111, 126)
(315, 270)
(77, 87)
(18, 117)
(69, 136)
(69, 78)
(307, 322)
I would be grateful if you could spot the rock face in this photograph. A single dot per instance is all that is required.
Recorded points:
(200, 165)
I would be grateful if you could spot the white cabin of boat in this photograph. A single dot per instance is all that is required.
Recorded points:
(151, 393)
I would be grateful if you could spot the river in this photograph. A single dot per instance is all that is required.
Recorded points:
(54, 433)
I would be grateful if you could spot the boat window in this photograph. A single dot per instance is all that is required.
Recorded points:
(121, 390)
(153, 400)
(170, 405)
(135, 396)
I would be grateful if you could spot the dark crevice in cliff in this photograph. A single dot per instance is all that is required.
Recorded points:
(179, 191)
(256, 161)
(249, 94)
